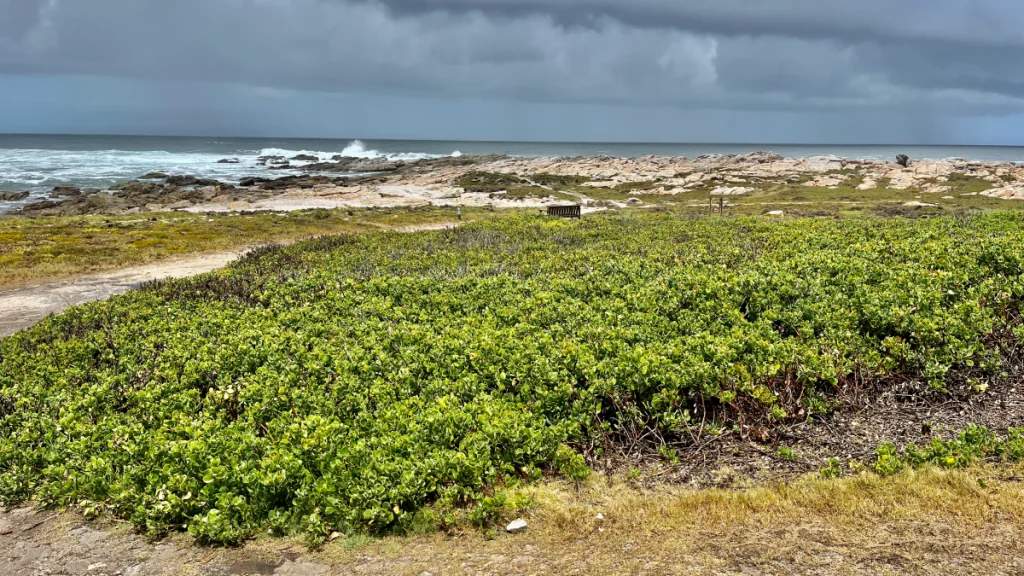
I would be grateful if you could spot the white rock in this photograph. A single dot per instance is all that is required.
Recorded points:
(730, 191)
(1007, 192)
(517, 526)
(776, 213)
(600, 516)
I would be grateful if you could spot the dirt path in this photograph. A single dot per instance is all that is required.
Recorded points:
(37, 543)
(24, 306)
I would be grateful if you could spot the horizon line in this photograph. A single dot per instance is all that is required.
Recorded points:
(475, 141)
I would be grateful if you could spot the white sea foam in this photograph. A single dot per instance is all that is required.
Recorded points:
(39, 170)
(355, 149)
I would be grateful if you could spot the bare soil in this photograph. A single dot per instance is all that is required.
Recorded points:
(23, 307)
(900, 411)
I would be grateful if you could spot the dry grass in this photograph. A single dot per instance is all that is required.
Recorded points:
(924, 522)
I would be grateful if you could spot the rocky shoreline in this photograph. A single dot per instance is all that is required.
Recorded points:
(504, 181)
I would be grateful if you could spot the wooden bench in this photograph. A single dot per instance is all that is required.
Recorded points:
(565, 211)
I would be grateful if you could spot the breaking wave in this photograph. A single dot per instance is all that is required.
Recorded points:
(38, 170)
(355, 149)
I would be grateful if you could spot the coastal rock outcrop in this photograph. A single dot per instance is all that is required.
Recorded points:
(351, 164)
(65, 192)
(191, 181)
(8, 196)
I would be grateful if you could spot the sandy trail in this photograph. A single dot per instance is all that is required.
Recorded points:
(24, 306)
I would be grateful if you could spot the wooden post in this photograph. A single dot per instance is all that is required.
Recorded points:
(721, 206)
(711, 206)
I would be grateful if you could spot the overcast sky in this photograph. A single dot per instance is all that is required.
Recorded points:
(828, 71)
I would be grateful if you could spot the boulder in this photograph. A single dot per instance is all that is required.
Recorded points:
(229, 161)
(39, 206)
(730, 191)
(13, 196)
(903, 160)
(351, 164)
(761, 157)
(252, 181)
(153, 176)
(305, 158)
(65, 192)
(191, 181)
(136, 189)
(304, 182)
(179, 205)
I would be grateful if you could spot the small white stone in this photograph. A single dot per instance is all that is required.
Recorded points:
(600, 516)
(96, 566)
(335, 536)
(517, 526)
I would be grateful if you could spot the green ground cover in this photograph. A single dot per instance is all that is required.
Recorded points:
(386, 382)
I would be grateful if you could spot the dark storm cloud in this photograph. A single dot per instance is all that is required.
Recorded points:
(973, 21)
(953, 56)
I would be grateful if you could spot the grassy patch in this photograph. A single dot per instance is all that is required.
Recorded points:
(488, 182)
(961, 183)
(557, 180)
(54, 247)
(634, 187)
(843, 172)
(524, 192)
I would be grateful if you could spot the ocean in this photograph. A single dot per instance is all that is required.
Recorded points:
(37, 163)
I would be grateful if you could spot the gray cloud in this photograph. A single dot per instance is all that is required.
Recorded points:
(934, 56)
